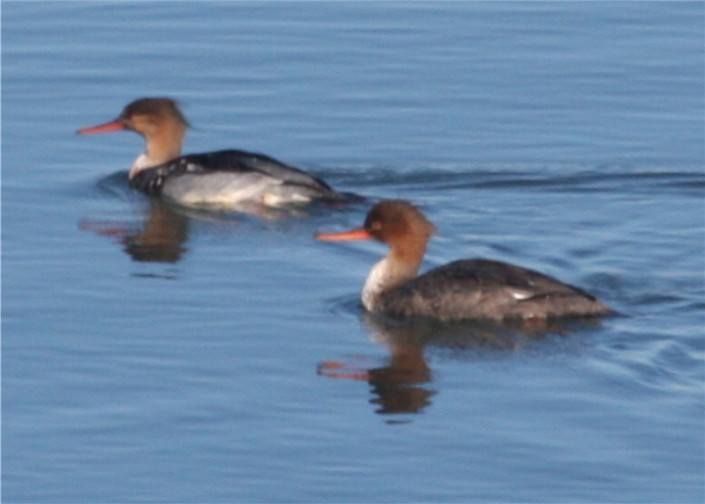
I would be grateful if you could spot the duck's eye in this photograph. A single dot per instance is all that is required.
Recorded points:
(376, 225)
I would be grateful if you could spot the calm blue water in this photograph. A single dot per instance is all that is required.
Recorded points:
(155, 355)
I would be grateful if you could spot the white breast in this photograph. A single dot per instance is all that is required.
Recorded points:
(143, 161)
(383, 276)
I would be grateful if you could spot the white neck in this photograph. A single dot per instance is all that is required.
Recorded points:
(161, 145)
(142, 162)
(386, 274)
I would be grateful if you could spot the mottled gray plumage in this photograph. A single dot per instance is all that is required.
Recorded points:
(485, 289)
(462, 290)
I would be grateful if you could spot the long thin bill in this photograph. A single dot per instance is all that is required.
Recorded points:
(103, 128)
(352, 235)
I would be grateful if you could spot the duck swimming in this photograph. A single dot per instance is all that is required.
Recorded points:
(466, 289)
(221, 178)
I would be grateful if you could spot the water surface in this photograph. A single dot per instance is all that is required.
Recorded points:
(154, 354)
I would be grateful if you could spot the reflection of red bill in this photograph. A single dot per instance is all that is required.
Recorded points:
(110, 229)
(352, 235)
(342, 371)
(103, 128)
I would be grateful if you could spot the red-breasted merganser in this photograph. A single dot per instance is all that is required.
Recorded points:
(222, 178)
(461, 290)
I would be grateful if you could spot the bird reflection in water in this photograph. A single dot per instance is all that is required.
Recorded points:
(398, 387)
(403, 385)
(163, 233)
(161, 237)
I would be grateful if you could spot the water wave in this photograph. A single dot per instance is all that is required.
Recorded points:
(600, 179)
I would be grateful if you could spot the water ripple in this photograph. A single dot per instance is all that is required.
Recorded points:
(602, 179)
